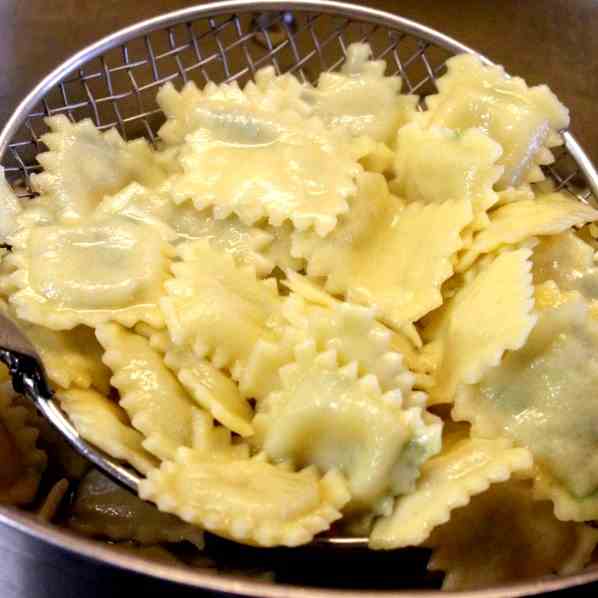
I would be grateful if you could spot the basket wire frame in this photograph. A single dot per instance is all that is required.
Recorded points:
(117, 88)
(115, 81)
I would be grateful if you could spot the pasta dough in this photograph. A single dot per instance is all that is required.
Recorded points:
(242, 159)
(370, 258)
(67, 274)
(247, 500)
(325, 416)
(344, 99)
(212, 389)
(524, 121)
(356, 336)
(568, 261)
(448, 481)
(105, 424)
(154, 400)
(77, 185)
(70, 357)
(351, 330)
(515, 222)
(260, 247)
(216, 307)
(436, 164)
(470, 339)
(539, 397)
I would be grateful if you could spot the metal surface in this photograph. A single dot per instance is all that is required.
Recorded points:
(237, 586)
(29, 378)
(115, 80)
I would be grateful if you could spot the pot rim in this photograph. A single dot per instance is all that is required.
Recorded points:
(98, 551)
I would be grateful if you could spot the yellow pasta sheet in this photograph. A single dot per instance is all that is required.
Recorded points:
(212, 389)
(435, 164)
(262, 247)
(82, 165)
(156, 403)
(217, 308)
(516, 222)
(394, 260)
(491, 313)
(540, 397)
(524, 120)
(448, 481)
(344, 99)
(103, 423)
(247, 500)
(244, 159)
(65, 280)
(327, 416)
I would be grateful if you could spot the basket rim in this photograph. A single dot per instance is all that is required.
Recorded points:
(212, 9)
(218, 8)
(224, 583)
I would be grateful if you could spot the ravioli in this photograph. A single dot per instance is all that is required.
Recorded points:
(524, 120)
(354, 333)
(448, 481)
(436, 164)
(518, 221)
(351, 330)
(343, 99)
(70, 357)
(469, 339)
(568, 261)
(370, 257)
(541, 398)
(260, 247)
(325, 416)
(77, 185)
(213, 390)
(156, 403)
(67, 274)
(257, 164)
(217, 308)
(247, 500)
(103, 423)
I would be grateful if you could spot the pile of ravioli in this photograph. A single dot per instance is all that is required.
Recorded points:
(317, 309)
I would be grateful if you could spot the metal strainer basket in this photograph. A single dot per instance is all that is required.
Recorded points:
(114, 82)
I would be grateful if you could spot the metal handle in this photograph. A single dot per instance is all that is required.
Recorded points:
(29, 379)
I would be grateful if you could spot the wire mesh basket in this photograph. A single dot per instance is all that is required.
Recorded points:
(115, 81)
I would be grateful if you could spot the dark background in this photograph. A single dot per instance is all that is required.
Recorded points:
(552, 41)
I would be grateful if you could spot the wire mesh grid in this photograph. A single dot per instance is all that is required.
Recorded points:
(118, 88)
